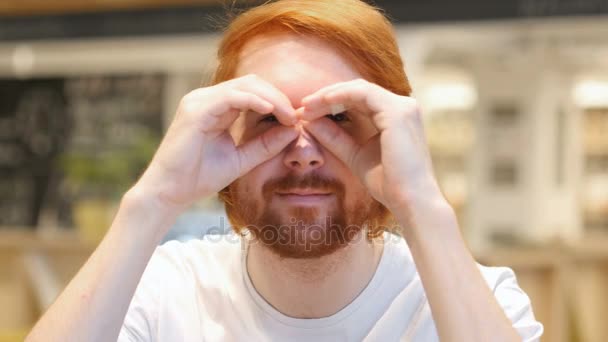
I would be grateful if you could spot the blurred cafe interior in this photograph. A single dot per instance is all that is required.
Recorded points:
(515, 101)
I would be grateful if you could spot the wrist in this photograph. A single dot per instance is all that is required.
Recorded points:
(431, 214)
(150, 213)
(143, 196)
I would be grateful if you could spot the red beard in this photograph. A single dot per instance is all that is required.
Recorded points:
(303, 232)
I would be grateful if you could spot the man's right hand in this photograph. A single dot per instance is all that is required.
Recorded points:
(198, 156)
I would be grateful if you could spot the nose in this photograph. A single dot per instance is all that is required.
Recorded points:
(304, 154)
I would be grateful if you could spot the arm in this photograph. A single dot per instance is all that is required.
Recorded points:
(462, 304)
(196, 158)
(395, 166)
(94, 304)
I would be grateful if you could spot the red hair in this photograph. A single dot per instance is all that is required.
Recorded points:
(358, 31)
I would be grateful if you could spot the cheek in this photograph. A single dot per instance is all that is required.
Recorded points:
(363, 130)
(244, 129)
(251, 129)
(356, 193)
(251, 184)
(249, 187)
(354, 189)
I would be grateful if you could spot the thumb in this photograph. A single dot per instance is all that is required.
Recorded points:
(264, 147)
(335, 139)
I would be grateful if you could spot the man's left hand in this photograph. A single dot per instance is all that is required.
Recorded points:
(394, 164)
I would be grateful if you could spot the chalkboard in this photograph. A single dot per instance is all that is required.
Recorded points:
(108, 112)
(43, 120)
(33, 127)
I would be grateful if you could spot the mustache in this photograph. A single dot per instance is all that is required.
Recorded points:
(308, 181)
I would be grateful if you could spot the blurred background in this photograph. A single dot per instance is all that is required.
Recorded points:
(515, 98)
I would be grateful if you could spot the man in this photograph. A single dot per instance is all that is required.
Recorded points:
(312, 140)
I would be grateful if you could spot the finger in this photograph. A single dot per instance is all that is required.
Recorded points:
(228, 107)
(321, 92)
(335, 139)
(358, 94)
(314, 105)
(264, 147)
(283, 109)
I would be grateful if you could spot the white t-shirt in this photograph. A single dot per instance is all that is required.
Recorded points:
(200, 291)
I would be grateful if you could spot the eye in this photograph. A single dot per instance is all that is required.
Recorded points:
(340, 117)
(270, 118)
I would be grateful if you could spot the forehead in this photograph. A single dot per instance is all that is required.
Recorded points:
(297, 65)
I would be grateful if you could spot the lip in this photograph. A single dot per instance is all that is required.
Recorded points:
(304, 192)
(304, 197)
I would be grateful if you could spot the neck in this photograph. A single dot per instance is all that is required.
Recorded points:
(314, 288)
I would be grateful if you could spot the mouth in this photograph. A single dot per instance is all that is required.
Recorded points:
(304, 196)
(304, 192)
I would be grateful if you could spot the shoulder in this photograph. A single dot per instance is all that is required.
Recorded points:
(175, 275)
(496, 276)
(210, 246)
(198, 257)
(513, 300)
(502, 281)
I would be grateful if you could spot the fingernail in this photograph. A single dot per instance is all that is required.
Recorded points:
(299, 112)
(337, 108)
(292, 114)
(307, 112)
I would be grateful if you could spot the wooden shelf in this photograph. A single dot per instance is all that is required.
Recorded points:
(25, 239)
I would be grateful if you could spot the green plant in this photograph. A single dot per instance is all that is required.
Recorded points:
(111, 172)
